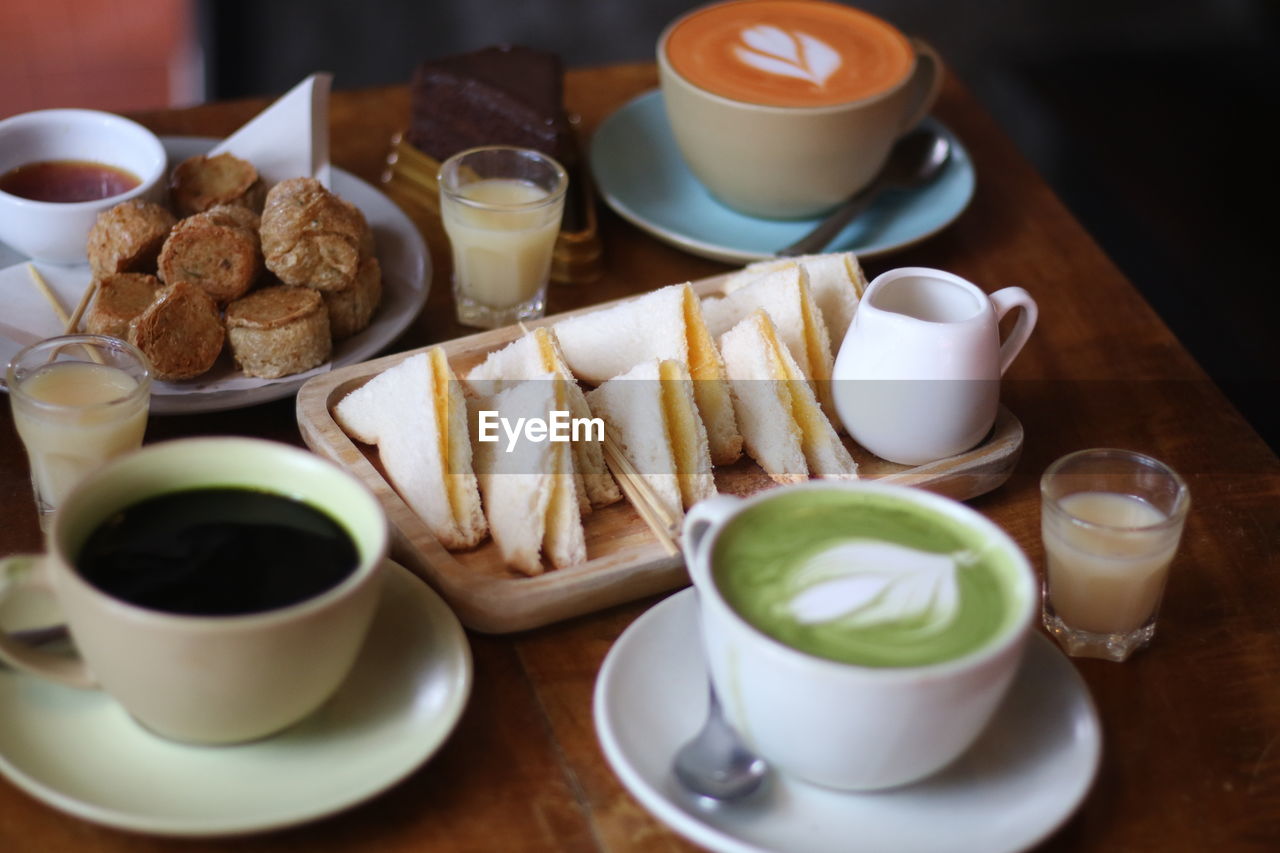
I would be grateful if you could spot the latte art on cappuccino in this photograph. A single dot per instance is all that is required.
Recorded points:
(777, 51)
(789, 54)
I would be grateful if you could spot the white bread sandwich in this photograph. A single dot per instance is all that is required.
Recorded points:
(836, 281)
(784, 428)
(651, 413)
(784, 295)
(416, 414)
(664, 324)
(537, 354)
(528, 486)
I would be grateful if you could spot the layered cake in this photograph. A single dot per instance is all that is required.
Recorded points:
(501, 95)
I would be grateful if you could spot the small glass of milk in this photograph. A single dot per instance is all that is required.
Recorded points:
(78, 400)
(1111, 521)
(501, 207)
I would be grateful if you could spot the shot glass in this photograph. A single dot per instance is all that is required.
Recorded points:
(501, 207)
(78, 401)
(1111, 521)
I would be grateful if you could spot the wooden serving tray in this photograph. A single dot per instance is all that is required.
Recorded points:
(625, 561)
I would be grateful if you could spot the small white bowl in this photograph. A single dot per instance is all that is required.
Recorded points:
(56, 231)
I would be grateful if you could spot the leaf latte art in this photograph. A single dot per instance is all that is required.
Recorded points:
(867, 579)
(777, 51)
(788, 54)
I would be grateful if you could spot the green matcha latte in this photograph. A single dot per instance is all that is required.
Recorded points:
(865, 578)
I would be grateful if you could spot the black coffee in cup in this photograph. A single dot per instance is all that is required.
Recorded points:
(217, 552)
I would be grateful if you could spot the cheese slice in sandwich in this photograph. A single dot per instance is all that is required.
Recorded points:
(651, 413)
(664, 324)
(782, 424)
(784, 295)
(416, 414)
(836, 281)
(536, 354)
(528, 486)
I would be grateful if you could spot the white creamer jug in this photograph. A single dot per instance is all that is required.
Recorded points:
(918, 374)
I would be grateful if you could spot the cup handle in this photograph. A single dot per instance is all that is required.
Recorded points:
(28, 571)
(1005, 301)
(926, 81)
(699, 521)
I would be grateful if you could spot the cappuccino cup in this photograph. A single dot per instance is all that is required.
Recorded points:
(195, 648)
(858, 635)
(782, 109)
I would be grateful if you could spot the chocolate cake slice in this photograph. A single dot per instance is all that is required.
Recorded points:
(501, 95)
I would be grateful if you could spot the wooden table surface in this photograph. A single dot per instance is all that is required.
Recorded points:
(1191, 725)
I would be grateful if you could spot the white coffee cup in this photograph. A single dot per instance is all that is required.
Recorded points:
(788, 161)
(844, 725)
(917, 377)
(206, 679)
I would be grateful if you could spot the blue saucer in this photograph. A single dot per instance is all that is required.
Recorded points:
(638, 169)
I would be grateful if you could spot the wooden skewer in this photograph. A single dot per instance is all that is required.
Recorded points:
(73, 324)
(49, 295)
(68, 323)
(659, 520)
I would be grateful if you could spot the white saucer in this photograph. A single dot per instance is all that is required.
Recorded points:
(80, 752)
(1026, 774)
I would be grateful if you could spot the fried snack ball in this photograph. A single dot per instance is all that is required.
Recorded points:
(217, 250)
(312, 237)
(127, 237)
(278, 331)
(202, 182)
(181, 332)
(120, 298)
(351, 308)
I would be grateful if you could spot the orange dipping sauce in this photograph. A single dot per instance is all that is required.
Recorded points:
(67, 181)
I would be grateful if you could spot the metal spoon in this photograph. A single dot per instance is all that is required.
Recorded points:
(715, 763)
(914, 160)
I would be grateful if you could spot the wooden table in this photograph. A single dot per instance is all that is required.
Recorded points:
(1191, 725)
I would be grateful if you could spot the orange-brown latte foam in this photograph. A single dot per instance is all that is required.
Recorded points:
(789, 53)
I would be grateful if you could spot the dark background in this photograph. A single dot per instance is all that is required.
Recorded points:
(1146, 117)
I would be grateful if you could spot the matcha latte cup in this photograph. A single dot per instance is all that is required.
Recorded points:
(859, 635)
(782, 109)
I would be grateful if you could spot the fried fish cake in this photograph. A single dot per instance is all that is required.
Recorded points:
(127, 237)
(278, 331)
(181, 332)
(202, 182)
(120, 298)
(312, 237)
(351, 308)
(217, 250)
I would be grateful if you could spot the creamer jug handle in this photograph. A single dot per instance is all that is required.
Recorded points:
(1005, 301)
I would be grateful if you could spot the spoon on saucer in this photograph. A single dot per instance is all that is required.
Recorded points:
(914, 160)
(715, 763)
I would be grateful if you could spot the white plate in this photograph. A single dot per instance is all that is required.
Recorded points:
(1023, 777)
(78, 751)
(406, 277)
(639, 171)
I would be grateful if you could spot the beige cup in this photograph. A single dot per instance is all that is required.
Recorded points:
(789, 162)
(206, 679)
